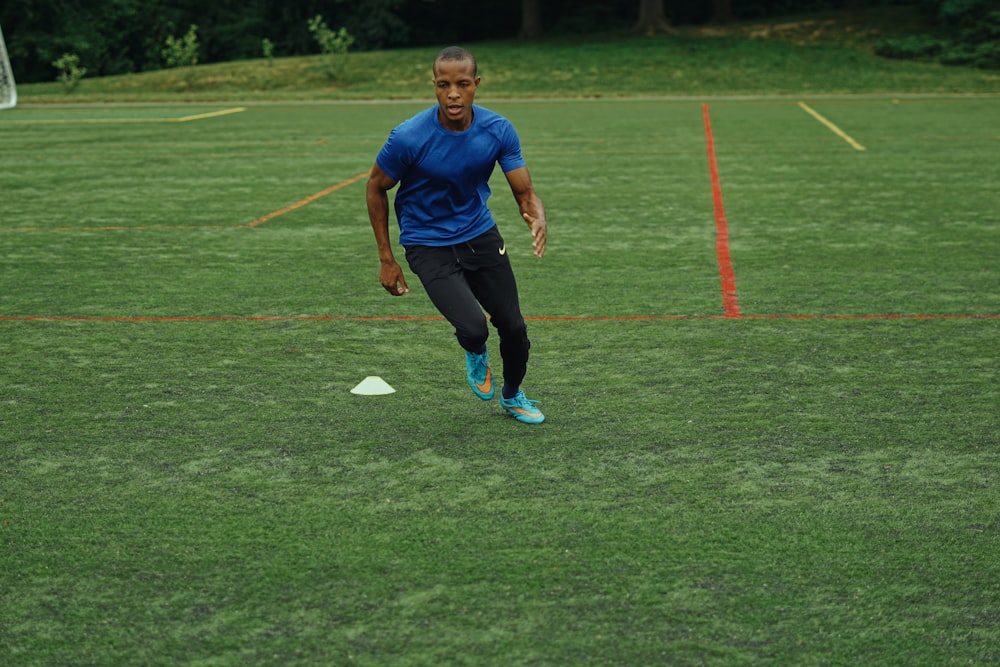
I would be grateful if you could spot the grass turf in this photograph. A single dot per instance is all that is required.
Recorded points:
(705, 490)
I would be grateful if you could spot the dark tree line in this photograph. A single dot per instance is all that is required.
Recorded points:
(123, 36)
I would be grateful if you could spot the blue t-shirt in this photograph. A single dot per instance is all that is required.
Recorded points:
(444, 176)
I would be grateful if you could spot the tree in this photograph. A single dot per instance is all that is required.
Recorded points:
(722, 11)
(531, 18)
(855, 7)
(652, 18)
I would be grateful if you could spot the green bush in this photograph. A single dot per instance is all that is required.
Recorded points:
(70, 71)
(182, 52)
(967, 32)
(333, 44)
(912, 47)
(267, 47)
(978, 41)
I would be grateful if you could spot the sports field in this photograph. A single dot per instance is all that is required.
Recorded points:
(765, 339)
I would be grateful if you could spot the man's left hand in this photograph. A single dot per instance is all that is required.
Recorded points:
(539, 233)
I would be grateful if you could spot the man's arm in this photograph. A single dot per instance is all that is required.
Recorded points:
(390, 274)
(530, 206)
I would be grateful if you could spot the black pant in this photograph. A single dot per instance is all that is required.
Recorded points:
(464, 280)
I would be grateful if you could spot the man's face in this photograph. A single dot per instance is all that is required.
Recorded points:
(455, 84)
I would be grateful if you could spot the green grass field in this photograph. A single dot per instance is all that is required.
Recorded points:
(185, 477)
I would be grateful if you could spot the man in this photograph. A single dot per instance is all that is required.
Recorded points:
(442, 159)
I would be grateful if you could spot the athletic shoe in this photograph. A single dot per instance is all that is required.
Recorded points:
(477, 371)
(522, 409)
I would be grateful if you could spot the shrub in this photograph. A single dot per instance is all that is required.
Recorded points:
(979, 40)
(70, 71)
(182, 52)
(967, 33)
(913, 47)
(267, 47)
(332, 43)
(970, 32)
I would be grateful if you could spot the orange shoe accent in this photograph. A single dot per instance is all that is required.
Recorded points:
(522, 409)
(487, 386)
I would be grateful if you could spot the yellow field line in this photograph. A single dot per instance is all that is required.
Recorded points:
(113, 228)
(224, 112)
(83, 121)
(833, 128)
(114, 121)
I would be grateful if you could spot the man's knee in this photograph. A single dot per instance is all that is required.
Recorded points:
(515, 335)
(472, 335)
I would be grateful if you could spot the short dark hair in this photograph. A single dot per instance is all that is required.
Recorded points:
(457, 53)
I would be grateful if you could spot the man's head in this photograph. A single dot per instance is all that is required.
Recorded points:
(456, 78)
(456, 54)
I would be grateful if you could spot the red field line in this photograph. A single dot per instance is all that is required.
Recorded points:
(730, 301)
(430, 318)
(657, 318)
(216, 318)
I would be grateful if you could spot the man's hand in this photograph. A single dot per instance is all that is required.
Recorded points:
(539, 233)
(391, 277)
(530, 206)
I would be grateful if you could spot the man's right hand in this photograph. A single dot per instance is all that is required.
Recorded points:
(391, 277)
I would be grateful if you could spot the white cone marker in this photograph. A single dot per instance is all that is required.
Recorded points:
(373, 385)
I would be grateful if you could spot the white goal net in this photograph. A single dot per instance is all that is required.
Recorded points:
(8, 91)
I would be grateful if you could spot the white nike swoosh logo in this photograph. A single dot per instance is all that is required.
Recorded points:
(503, 249)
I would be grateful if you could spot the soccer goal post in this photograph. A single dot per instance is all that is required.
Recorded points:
(8, 90)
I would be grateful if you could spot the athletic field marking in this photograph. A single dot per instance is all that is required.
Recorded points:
(114, 228)
(213, 114)
(438, 318)
(116, 121)
(259, 221)
(730, 301)
(302, 202)
(836, 130)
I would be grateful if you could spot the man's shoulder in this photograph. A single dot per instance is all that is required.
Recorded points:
(419, 122)
(490, 117)
(494, 124)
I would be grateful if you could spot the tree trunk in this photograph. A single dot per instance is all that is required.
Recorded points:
(531, 18)
(722, 11)
(652, 19)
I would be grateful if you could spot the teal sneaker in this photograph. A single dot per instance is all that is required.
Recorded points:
(522, 409)
(477, 371)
